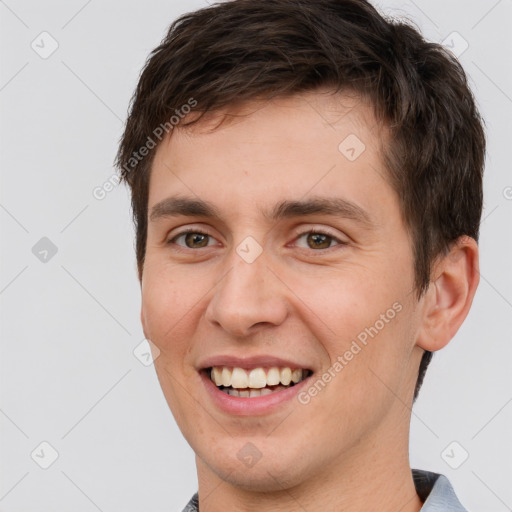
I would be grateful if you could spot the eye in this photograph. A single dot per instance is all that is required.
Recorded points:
(319, 240)
(193, 239)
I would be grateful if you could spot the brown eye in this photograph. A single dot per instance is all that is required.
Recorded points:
(192, 240)
(317, 240)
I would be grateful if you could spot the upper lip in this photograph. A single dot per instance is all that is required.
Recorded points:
(264, 360)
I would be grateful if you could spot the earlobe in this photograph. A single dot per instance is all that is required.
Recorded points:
(450, 294)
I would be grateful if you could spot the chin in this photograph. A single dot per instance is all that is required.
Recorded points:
(264, 477)
(265, 469)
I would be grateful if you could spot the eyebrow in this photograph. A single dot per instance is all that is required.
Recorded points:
(192, 207)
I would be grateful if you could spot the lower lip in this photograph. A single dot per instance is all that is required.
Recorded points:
(246, 406)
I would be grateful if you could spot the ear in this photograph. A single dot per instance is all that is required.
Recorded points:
(450, 294)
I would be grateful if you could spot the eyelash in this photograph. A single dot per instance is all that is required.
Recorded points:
(297, 236)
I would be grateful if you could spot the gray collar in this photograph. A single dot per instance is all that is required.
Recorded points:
(436, 492)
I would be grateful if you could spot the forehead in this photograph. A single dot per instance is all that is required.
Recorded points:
(316, 143)
(300, 117)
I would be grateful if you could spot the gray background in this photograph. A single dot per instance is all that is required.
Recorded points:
(70, 320)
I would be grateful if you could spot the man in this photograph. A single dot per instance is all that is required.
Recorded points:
(306, 183)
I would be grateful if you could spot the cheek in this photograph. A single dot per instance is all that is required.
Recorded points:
(374, 378)
(167, 302)
(363, 320)
(341, 303)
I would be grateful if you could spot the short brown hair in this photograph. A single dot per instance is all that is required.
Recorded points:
(241, 50)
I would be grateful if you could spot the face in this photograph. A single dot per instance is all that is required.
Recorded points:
(276, 250)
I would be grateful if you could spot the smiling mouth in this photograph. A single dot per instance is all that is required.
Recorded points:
(256, 382)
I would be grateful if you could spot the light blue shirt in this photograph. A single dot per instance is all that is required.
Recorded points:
(434, 490)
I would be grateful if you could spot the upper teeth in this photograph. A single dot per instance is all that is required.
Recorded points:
(255, 378)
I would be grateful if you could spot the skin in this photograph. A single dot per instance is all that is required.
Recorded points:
(347, 449)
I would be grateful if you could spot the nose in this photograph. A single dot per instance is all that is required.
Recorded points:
(247, 298)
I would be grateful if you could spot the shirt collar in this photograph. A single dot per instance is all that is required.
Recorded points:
(436, 492)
